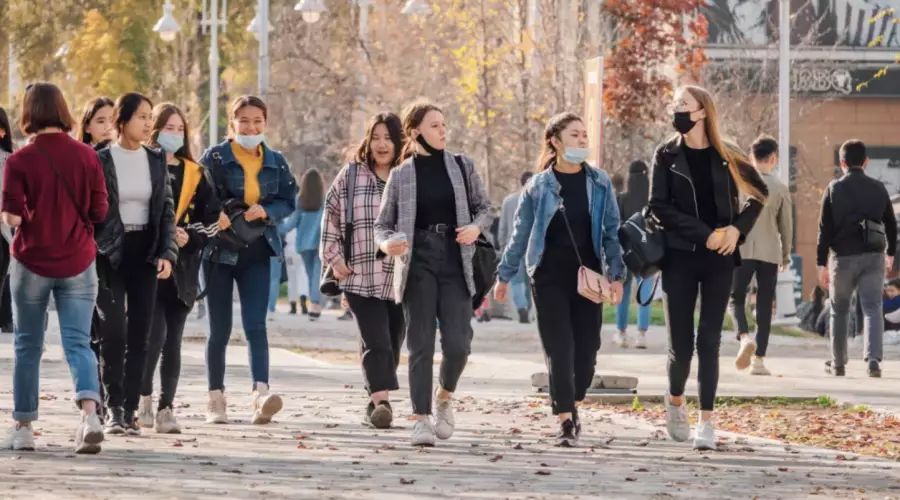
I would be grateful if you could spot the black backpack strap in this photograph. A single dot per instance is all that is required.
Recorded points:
(645, 303)
(348, 211)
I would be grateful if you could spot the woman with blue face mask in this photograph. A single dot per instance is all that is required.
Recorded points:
(567, 217)
(196, 219)
(253, 183)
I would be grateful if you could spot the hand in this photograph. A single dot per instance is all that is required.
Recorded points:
(467, 235)
(181, 237)
(715, 240)
(224, 221)
(729, 241)
(501, 289)
(394, 247)
(616, 290)
(344, 303)
(888, 264)
(11, 220)
(164, 268)
(255, 212)
(340, 270)
(824, 279)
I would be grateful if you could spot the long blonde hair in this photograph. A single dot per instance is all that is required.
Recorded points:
(729, 152)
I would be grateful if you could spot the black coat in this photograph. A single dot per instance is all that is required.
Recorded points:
(673, 198)
(110, 233)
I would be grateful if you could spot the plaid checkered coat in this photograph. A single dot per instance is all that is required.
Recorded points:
(398, 214)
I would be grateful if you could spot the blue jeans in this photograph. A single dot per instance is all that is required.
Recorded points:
(643, 315)
(521, 293)
(251, 273)
(313, 274)
(274, 282)
(74, 298)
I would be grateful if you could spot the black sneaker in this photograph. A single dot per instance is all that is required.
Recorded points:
(567, 437)
(874, 369)
(523, 316)
(577, 421)
(837, 371)
(131, 427)
(381, 416)
(303, 309)
(347, 316)
(293, 307)
(115, 421)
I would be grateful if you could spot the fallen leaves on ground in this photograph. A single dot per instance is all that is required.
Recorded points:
(403, 480)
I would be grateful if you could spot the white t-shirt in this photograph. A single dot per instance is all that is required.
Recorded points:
(135, 185)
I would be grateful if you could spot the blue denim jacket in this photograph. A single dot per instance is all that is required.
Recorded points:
(308, 226)
(277, 190)
(538, 204)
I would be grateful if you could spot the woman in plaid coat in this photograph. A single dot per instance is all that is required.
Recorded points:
(365, 280)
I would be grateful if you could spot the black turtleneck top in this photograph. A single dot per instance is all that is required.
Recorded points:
(435, 198)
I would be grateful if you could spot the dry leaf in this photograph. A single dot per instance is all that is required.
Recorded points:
(403, 480)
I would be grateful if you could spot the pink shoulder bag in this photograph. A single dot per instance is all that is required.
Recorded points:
(591, 284)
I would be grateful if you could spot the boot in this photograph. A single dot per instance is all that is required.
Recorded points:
(303, 309)
(523, 316)
(293, 307)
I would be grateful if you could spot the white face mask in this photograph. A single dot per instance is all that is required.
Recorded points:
(576, 155)
(170, 143)
(250, 141)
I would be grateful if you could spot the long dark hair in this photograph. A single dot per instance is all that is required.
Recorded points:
(413, 116)
(6, 143)
(312, 191)
(90, 110)
(395, 130)
(126, 106)
(554, 127)
(637, 194)
(161, 114)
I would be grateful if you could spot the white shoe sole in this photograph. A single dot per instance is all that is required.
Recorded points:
(90, 445)
(272, 406)
(704, 446)
(146, 424)
(745, 355)
(762, 373)
(424, 442)
(168, 430)
(114, 431)
(217, 419)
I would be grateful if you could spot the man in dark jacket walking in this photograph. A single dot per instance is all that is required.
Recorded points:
(858, 226)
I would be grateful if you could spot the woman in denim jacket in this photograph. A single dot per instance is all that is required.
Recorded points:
(567, 215)
(307, 223)
(244, 169)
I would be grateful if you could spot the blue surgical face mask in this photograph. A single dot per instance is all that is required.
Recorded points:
(250, 141)
(576, 155)
(170, 143)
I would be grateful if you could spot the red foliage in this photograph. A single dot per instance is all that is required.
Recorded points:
(653, 35)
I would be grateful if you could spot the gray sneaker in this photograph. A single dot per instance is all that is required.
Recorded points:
(677, 422)
(166, 423)
(89, 435)
(705, 438)
(18, 438)
(423, 433)
(443, 418)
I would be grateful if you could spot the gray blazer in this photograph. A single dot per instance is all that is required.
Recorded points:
(771, 236)
(398, 214)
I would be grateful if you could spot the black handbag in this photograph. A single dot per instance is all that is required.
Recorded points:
(485, 261)
(330, 286)
(242, 233)
(643, 245)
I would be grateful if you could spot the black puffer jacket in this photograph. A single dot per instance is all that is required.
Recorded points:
(111, 232)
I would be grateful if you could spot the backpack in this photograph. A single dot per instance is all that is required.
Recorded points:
(643, 245)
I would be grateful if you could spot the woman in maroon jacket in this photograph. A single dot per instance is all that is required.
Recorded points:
(53, 194)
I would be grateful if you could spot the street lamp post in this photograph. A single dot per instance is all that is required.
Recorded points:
(168, 28)
(262, 36)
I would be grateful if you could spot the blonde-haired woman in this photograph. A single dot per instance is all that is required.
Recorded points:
(697, 186)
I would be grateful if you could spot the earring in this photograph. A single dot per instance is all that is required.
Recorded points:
(415, 149)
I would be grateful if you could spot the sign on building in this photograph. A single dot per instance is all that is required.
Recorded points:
(593, 108)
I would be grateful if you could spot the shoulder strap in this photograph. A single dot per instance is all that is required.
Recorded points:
(462, 171)
(84, 218)
(562, 210)
(350, 186)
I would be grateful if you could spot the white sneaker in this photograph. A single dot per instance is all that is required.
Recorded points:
(443, 418)
(705, 437)
(891, 338)
(621, 339)
(759, 368)
(423, 433)
(89, 435)
(265, 404)
(19, 438)
(641, 341)
(216, 408)
(145, 412)
(745, 353)
(677, 421)
(166, 423)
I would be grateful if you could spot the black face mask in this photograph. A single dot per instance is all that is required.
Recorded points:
(682, 122)
(432, 151)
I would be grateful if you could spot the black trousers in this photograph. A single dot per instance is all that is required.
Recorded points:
(381, 333)
(685, 276)
(124, 336)
(766, 280)
(169, 317)
(568, 324)
(5, 297)
(436, 291)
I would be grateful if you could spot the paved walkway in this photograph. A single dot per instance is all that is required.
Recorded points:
(318, 449)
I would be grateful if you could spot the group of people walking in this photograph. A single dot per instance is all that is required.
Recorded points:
(117, 225)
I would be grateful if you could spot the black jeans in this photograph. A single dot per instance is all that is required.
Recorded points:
(6, 297)
(169, 317)
(124, 338)
(381, 333)
(568, 324)
(436, 291)
(686, 275)
(766, 280)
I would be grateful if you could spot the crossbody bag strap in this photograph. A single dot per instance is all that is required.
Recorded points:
(84, 218)
(348, 212)
(562, 210)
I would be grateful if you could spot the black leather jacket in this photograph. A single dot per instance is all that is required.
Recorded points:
(111, 232)
(673, 198)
